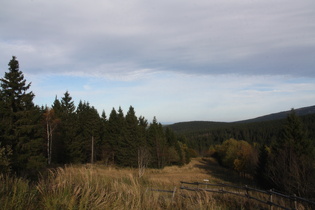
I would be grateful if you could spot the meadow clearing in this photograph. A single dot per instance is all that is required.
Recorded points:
(99, 187)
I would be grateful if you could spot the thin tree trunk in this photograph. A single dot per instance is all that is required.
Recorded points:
(50, 148)
(92, 155)
(48, 142)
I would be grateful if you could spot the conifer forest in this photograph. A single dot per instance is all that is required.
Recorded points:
(33, 137)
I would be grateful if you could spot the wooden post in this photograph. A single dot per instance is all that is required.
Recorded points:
(247, 194)
(173, 193)
(92, 155)
(295, 203)
(270, 199)
(206, 181)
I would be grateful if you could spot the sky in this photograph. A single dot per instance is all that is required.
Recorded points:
(178, 60)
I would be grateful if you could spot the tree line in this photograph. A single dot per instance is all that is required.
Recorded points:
(34, 137)
(201, 135)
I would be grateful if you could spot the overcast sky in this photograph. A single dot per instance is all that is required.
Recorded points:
(178, 60)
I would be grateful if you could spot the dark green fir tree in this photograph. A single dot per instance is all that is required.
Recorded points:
(21, 122)
(88, 136)
(131, 141)
(67, 129)
(292, 159)
(157, 143)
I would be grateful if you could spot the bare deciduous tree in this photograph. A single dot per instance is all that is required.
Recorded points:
(143, 160)
(51, 124)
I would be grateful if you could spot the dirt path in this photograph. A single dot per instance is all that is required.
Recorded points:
(196, 171)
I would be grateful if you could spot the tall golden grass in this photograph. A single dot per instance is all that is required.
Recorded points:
(16, 193)
(99, 187)
(93, 188)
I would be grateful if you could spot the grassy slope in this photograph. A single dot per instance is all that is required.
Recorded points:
(99, 187)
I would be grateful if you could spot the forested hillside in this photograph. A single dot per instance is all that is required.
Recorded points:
(277, 154)
(200, 135)
(281, 115)
(34, 137)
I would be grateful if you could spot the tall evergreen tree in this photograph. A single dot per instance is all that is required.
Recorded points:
(131, 141)
(143, 124)
(261, 174)
(175, 151)
(104, 151)
(292, 159)
(120, 140)
(57, 107)
(88, 133)
(66, 132)
(69, 125)
(23, 130)
(113, 130)
(59, 155)
(67, 104)
(157, 143)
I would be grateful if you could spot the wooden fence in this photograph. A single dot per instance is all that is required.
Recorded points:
(167, 191)
(268, 198)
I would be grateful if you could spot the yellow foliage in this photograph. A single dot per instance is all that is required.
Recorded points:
(238, 155)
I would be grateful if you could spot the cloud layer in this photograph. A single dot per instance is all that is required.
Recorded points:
(119, 37)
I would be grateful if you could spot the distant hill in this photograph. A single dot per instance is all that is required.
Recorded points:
(206, 125)
(281, 115)
(196, 126)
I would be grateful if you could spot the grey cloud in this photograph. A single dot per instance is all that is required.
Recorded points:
(239, 37)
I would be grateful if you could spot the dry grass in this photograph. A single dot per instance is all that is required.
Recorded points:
(196, 171)
(99, 187)
(172, 175)
(16, 193)
(109, 188)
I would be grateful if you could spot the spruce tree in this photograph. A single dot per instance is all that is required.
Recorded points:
(104, 151)
(67, 105)
(69, 125)
(292, 159)
(261, 175)
(88, 136)
(22, 121)
(157, 143)
(143, 124)
(59, 155)
(131, 141)
(66, 131)
(174, 150)
(121, 144)
(113, 131)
